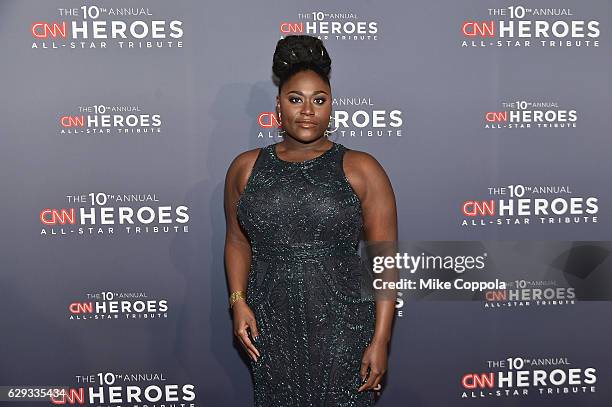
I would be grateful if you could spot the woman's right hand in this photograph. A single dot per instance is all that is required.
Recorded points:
(244, 321)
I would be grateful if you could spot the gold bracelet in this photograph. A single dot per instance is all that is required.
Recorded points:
(235, 296)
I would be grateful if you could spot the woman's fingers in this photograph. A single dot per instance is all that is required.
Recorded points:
(251, 354)
(366, 386)
(246, 342)
(376, 385)
(244, 322)
(363, 371)
(254, 330)
(248, 351)
(249, 344)
(372, 381)
(254, 335)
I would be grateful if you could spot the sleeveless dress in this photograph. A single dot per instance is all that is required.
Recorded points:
(307, 286)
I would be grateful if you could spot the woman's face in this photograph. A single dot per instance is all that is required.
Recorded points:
(304, 104)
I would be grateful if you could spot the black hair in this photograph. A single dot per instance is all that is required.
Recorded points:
(296, 53)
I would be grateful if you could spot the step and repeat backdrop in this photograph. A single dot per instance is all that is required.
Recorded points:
(120, 118)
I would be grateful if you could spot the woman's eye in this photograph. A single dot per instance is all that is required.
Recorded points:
(319, 101)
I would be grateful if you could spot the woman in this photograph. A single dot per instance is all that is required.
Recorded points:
(295, 210)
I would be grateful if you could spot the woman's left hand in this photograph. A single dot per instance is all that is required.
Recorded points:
(375, 359)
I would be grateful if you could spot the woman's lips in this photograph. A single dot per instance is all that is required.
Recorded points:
(306, 125)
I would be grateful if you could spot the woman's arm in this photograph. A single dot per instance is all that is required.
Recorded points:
(237, 250)
(375, 192)
(380, 231)
(237, 247)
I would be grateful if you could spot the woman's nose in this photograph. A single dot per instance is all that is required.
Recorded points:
(307, 108)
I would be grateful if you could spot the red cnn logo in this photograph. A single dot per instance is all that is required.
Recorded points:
(287, 28)
(482, 29)
(268, 120)
(483, 208)
(472, 381)
(54, 216)
(493, 117)
(46, 30)
(81, 308)
(496, 295)
(73, 395)
(72, 121)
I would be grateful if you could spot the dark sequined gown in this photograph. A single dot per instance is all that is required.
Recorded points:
(307, 285)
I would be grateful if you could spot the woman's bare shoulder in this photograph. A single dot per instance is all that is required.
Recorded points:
(241, 166)
(361, 162)
(244, 160)
(363, 172)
